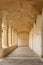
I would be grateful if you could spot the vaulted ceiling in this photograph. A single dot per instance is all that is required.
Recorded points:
(21, 13)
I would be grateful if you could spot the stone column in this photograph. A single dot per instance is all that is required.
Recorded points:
(4, 37)
(0, 34)
(4, 32)
(1, 50)
(15, 37)
(42, 32)
(10, 35)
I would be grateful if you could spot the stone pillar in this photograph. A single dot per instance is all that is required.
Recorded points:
(15, 37)
(42, 32)
(4, 37)
(10, 35)
(1, 50)
(0, 34)
(4, 32)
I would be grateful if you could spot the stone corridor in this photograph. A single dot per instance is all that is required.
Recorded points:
(22, 56)
(23, 52)
(21, 32)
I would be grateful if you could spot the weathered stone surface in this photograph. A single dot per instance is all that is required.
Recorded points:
(21, 52)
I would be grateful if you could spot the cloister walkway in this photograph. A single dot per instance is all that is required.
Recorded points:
(22, 56)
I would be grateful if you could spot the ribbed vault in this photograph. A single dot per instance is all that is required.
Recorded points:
(21, 14)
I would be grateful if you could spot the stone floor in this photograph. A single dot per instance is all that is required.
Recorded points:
(22, 56)
(23, 52)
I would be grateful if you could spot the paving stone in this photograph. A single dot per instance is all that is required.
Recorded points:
(22, 56)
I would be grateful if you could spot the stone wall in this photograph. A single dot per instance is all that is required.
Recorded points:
(35, 36)
(23, 39)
